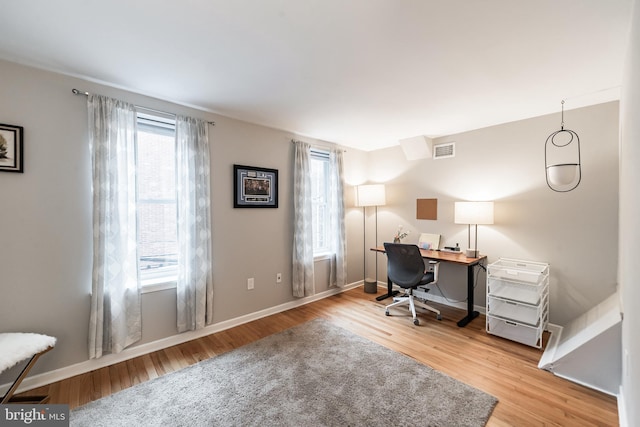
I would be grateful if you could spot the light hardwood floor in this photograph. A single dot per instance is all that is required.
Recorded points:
(507, 370)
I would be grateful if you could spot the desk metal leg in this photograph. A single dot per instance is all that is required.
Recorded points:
(470, 313)
(390, 292)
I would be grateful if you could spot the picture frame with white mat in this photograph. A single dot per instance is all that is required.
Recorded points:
(429, 241)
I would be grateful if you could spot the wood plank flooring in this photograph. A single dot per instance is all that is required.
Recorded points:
(527, 396)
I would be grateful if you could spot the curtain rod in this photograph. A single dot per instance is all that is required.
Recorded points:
(326, 146)
(85, 93)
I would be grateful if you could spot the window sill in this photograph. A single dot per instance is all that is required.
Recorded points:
(156, 285)
(322, 256)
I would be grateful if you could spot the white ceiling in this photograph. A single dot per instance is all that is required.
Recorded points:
(362, 73)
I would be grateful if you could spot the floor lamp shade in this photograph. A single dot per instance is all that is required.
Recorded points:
(473, 213)
(370, 195)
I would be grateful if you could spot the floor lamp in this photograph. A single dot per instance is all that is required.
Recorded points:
(473, 213)
(369, 195)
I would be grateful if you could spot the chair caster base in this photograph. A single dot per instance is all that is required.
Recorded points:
(416, 322)
(439, 317)
(387, 313)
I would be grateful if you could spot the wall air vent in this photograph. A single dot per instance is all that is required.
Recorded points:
(442, 151)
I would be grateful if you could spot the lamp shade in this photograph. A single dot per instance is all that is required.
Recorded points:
(370, 195)
(473, 213)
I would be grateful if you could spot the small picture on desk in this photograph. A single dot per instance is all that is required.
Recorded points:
(429, 241)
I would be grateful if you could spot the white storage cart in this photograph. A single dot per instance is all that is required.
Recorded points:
(518, 300)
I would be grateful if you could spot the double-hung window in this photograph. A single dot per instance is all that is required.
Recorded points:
(320, 202)
(156, 199)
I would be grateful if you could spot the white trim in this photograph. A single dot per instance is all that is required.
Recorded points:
(322, 256)
(142, 349)
(585, 384)
(159, 286)
(546, 361)
(158, 275)
(622, 409)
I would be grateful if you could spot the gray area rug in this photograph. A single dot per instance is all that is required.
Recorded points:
(314, 374)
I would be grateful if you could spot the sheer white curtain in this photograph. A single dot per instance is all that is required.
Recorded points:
(338, 276)
(115, 299)
(195, 284)
(302, 222)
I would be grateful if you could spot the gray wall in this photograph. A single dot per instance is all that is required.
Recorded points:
(630, 225)
(46, 219)
(575, 232)
(45, 213)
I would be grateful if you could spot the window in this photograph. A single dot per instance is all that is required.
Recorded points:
(156, 203)
(320, 201)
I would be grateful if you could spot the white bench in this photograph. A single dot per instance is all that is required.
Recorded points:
(16, 347)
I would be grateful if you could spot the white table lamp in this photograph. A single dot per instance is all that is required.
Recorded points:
(473, 213)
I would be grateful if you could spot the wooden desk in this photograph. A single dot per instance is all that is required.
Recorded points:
(457, 258)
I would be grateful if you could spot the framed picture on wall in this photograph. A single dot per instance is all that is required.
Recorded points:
(11, 148)
(255, 187)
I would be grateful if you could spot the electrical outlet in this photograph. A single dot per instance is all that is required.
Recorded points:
(250, 283)
(279, 278)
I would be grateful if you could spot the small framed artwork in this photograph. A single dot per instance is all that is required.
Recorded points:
(255, 187)
(11, 148)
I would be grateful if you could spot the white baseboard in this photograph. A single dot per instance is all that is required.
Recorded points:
(140, 350)
(584, 384)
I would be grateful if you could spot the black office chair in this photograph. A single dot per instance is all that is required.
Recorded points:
(406, 268)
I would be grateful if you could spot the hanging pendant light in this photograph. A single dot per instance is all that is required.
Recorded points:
(566, 172)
